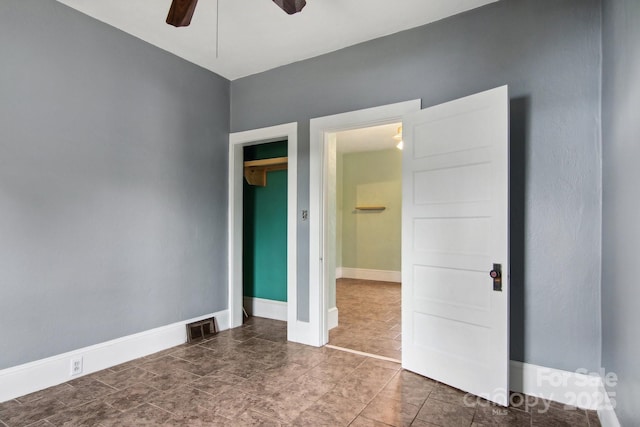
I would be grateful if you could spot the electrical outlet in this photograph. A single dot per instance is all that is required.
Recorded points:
(76, 366)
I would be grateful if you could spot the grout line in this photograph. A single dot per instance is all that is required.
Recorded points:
(360, 414)
(362, 353)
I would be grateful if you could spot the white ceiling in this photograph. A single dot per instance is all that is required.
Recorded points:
(256, 35)
(367, 139)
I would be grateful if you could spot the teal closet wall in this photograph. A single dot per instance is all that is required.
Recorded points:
(265, 229)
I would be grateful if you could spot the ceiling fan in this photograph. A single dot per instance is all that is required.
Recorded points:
(181, 11)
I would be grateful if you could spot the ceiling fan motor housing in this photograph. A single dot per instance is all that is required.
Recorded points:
(291, 6)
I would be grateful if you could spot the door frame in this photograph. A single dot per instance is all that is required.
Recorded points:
(319, 133)
(237, 142)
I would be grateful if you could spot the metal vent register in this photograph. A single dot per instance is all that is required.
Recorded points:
(202, 329)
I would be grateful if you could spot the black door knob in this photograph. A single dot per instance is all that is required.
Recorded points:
(496, 275)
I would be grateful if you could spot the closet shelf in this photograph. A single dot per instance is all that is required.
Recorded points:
(255, 171)
(371, 208)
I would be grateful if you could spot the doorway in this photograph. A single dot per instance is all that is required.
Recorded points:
(296, 330)
(368, 225)
(264, 255)
(322, 308)
(451, 234)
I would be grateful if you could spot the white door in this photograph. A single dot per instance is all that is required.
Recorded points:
(455, 325)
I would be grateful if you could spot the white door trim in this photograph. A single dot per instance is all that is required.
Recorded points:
(320, 128)
(237, 141)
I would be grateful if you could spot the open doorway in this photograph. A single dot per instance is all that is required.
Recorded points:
(323, 313)
(264, 257)
(368, 223)
(296, 330)
(450, 233)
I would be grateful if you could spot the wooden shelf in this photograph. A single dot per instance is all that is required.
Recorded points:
(371, 208)
(255, 171)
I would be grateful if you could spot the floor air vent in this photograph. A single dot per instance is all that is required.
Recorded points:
(200, 330)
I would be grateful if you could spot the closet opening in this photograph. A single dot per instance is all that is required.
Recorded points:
(264, 230)
(263, 300)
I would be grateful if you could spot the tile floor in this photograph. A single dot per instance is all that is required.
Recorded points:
(369, 317)
(250, 376)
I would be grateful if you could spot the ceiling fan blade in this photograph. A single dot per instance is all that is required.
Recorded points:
(291, 6)
(181, 12)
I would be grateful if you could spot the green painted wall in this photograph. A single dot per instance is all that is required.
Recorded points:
(371, 240)
(265, 229)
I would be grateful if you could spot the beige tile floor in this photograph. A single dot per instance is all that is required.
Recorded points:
(250, 376)
(368, 317)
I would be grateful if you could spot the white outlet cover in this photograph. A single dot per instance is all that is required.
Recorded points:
(76, 366)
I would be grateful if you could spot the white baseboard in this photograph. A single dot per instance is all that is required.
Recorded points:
(606, 413)
(368, 274)
(570, 388)
(332, 318)
(40, 374)
(269, 309)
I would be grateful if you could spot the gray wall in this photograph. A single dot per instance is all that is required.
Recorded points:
(548, 52)
(621, 203)
(113, 168)
(113, 184)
